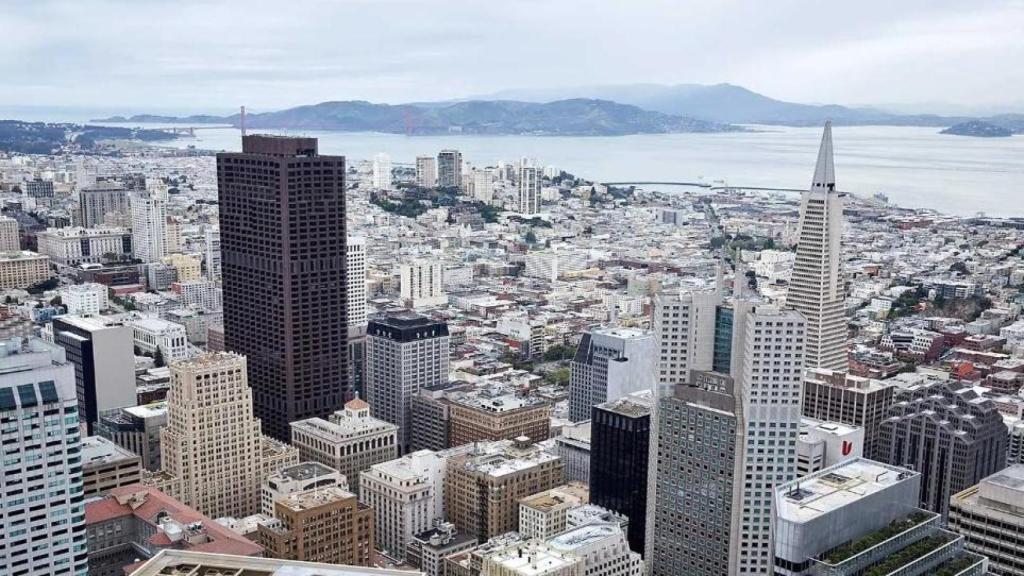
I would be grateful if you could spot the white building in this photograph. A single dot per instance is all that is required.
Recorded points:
(43, 520)
(382, 172)
(603, 549)
(552, 264)
(823, 444)
(10, 237)
(355, 254)
(211, 255)
(406, 496)
(609, 364)
(298, 478)
(350, 441)
(684, 325)
(200, 294)
(817, 288)
(85, 299)
(426, 171)
(149, 226)
(483, 185)
(73, 246)
(544, 514)
(422, 283)
(152, 334)
(531, 558)
(528, 188)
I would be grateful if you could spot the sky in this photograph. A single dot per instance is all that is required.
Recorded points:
(211, 56)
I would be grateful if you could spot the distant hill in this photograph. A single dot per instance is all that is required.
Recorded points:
(571, 117)
(45, 138)
(978, 128)
(728, 103)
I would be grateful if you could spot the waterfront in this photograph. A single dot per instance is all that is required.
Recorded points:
(916, 167)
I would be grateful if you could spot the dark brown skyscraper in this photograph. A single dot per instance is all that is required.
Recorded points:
(282, 230)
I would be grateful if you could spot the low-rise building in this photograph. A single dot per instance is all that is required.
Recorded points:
(176, 562)
(351, 441)
(544, 514)
(824, 444)
(427, 550)
(497, 415)
(106, 466)
(137, 429)
(73, 246)
(85, 299)
(298, 478)
(23, 269)
(325, 524)
(153, 334)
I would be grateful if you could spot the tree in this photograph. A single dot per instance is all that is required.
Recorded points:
(158, 358)
(531, 238)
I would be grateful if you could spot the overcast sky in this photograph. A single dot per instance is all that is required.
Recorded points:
(214, 55)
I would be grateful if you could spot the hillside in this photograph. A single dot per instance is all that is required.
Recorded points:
(573, 117)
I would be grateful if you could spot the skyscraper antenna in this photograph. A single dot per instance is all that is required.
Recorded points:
(241, 120)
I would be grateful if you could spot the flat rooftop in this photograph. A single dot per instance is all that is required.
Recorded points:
(186, 563)
(97, 450)
(304, 471)
(583, 536)
(836, 487)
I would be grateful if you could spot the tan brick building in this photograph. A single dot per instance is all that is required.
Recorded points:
(23, 269)
(483, 487)
(320, 525)
(477, 416)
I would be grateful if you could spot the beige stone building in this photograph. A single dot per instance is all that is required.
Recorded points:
(23, 269)
(483, 487)
(544, 514)
(189, 266)
(477, 416)
(350, 441)
(320, 525)
(213, 455)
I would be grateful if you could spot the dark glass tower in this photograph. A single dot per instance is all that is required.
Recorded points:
(283, 257)
(619, 435)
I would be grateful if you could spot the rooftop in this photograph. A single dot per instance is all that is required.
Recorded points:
(583, 536)
(97, 450)
(314, 498)
(187, 563)
(835, 487)
(303, 471)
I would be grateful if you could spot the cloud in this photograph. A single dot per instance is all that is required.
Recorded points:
(212, 55)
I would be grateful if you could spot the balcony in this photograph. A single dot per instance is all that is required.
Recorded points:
(871, 554)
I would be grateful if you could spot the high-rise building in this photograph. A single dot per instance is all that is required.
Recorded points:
(351, 441)
(10, 235)
(149, 225)
(816, 288)
(949, 432)
(430, 417)
(620, 436)
(528, 187)
(298, 478)
(426, 171)
(283, 260)
(449, 169)
(839, 397)
(211, 253)
(43, 520)
(404, 352)
(407, 497)
(723, 442)
(381, 172)
(324, 524)
(421, 284)
(483, 487)
(102, 353)
(212, 452)
(136, 522)
(355, 250)
(610, 363)
(483, 185)
(102, 200)
(859, 517)
(684, 324)
(990, 516)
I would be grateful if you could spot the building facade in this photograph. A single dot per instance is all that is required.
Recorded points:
(609, 364)
(283, 260)
(326, 524)
(839, 397)
(404, 353)
(990, 515)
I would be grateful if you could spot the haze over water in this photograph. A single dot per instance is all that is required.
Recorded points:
(916, 167)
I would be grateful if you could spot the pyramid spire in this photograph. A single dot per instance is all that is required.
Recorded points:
(825, 169)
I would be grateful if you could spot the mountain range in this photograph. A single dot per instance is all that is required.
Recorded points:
(583, 111)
